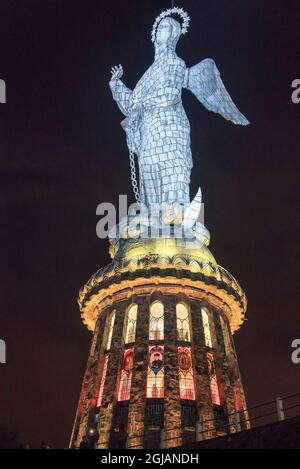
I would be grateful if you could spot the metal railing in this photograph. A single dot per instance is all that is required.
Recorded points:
(239, 420)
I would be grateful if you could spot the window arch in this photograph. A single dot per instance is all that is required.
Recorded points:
(126, 375)
(226, 336)
(214, 384)
(110, 322)
(155, 372)
(103, 377)
(156, 323)
(183, 323)
(131, 324)
(206, 328)
(186, 373)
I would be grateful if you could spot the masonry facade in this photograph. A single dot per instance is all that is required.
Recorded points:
(162, 368)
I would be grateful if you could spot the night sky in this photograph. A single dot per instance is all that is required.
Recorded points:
(62, 152)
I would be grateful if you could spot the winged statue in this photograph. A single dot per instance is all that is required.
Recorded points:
(156, 125)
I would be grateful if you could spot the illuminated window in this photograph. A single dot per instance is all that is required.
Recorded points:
(156, 324)
(238, 401)
(186, 374)
(206, 328)
(102, 382)
(214, 387)
(109, 328)
(131, 324)
(227, 341)
(126, 375)
(183, 324)
(155, 372)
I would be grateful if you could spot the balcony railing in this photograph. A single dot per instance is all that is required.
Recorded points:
(266, 413)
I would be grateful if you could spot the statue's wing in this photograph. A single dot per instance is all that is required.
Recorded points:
(204, 81)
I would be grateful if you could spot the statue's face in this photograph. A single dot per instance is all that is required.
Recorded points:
(164, 32)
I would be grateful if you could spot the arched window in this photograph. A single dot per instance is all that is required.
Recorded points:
(156, 323)
(183, 323)
(226, 336)
(206, 328)
(110, 322)
(186, 374)
(155, 372)
(214, 385)
(131, 324)
(126, 375)
(102, 382)
(238, 399)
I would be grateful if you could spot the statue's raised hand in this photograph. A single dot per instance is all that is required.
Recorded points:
(116, 72)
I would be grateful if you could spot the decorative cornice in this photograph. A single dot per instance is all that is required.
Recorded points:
(152, 268)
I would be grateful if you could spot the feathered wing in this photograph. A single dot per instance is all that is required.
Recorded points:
(204, 81)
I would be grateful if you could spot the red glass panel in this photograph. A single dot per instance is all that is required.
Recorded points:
(186, 373)
(126, 375)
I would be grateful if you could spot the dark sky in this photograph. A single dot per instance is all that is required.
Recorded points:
(62, 152)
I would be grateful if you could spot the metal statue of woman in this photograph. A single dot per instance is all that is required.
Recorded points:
(157, 127)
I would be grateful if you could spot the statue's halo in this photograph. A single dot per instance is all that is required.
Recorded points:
(178, 11)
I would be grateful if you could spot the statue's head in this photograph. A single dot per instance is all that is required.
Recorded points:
(166, 30)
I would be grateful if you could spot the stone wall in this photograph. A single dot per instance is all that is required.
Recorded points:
(137, 426)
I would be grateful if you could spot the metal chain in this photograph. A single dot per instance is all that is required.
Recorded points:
(134, 183)
(133, 177)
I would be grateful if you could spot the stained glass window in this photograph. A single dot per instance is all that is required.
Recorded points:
(227, 341)
(131, 324)
(206, 328)
(183, 323)
(102, 382)
(237, 397)
(186, 373)
(155, 372)
(156, 323)
(126, 375)
(214, 386)
(109, 328)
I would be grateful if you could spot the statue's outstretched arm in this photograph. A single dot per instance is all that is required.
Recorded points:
(120, 92)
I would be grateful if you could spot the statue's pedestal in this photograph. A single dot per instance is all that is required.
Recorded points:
(147, 228)
(137, 261)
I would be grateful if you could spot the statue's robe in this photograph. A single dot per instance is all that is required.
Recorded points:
(158, 130)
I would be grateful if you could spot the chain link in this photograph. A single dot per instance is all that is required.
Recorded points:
(134, 182)
(133, 177)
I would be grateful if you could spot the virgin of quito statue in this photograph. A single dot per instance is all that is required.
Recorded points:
(157, 127)
(162, 369)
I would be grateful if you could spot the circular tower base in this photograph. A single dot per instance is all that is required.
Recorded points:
(162, 369)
